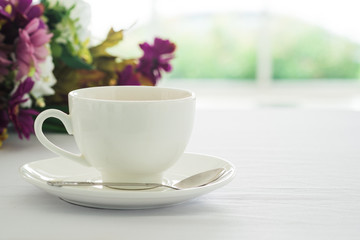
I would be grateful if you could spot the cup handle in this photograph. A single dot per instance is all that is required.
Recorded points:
(66, 120)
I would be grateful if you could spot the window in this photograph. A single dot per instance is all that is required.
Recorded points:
(253, 41)
(315, 40)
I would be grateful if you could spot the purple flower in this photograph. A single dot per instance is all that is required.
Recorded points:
(22, 118)
(6, 9)
(128, 77)
(4, 120)
(31, 49)
(15, 14)
(20, 11)
(4, 64)
(26, 10)
(156, 58)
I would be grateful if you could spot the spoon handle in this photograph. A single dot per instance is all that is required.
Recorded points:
(197, 180)
(117, 185)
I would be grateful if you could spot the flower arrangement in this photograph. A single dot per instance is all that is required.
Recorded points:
(25, 65)
(45, 53)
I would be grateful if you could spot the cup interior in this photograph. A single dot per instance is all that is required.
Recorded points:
(131, 93)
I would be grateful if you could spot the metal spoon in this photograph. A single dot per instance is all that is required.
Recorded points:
(197, 180)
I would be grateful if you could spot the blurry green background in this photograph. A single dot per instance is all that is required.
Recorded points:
(222, 42)
(224, 47)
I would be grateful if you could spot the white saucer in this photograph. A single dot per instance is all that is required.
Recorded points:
(59, 168)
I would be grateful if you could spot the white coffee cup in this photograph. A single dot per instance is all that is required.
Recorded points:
(128, 133)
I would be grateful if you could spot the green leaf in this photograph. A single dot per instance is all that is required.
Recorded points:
(111, 40)
(73, 61)
(56, 50)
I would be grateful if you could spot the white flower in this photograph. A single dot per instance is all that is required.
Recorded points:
(42, 86)
(81, 12)
(27, 103)
(66, 33)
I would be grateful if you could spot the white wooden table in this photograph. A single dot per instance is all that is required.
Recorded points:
(298, 178)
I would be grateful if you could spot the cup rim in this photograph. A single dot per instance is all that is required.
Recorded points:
(75, 94)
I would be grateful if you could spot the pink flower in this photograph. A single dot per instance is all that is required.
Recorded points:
(31, 49)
